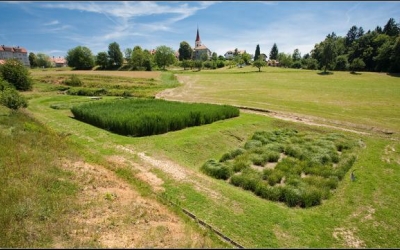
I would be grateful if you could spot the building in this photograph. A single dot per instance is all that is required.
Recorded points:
(58, 62)
(230, 54)
(7, 52)
(199, 48)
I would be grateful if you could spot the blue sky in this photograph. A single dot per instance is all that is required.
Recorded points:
(55, 27)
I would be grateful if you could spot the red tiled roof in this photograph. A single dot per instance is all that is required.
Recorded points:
(13, 49)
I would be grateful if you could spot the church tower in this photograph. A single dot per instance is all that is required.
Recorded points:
(198, 41)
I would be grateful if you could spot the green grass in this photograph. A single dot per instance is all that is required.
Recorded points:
(367, 100)
(36, 193)
(367, 209)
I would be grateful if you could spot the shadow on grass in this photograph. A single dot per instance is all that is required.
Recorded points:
(355, 73)
(325, 73)
(394, 74)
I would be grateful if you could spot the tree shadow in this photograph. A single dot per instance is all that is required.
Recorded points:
(355, 73)
(325, 73)
(394, 74)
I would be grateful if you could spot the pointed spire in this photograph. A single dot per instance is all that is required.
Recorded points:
(197, 36)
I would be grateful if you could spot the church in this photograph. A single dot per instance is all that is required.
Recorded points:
(199, 48)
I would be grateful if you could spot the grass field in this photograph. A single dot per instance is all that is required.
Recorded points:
(368, 100)
(360, 213)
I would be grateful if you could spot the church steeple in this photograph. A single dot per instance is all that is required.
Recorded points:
(198, 41)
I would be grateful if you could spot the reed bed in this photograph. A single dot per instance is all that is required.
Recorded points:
(144, 117)
(308, 167)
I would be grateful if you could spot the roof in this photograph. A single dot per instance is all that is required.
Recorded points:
(201, 47)
(197, 36)
(2, 61)
(58, 60)
(17, 49)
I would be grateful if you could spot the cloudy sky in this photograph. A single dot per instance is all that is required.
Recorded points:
(55, 27)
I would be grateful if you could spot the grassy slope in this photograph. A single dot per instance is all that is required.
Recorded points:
(365, 209)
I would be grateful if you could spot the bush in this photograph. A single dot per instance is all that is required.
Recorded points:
(73, 81)
(11, 98)
(14, 72)
(216, 170)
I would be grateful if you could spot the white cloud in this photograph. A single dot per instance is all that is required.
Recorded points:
(52, 23)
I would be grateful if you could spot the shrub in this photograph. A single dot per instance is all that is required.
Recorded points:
(241, 162)
(73, 81)
(14, 72)
(310, 197)
(275, 177)
(272, 156)
(267, 192)
(252, 144)
(216, 170)
(12, 99)
(292, 196)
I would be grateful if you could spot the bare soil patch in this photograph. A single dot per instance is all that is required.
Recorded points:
(113, 215)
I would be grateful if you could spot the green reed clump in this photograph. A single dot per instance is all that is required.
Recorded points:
(143, 117)
(310, 168)
(216, 169)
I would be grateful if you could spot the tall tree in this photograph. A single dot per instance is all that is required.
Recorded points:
(137, 57)
(164, 56)
(257, 53)
(148, 60)
(395, 57)
(214, 56)
(43, 60)
(185, 51)
(273, 54)
(80, 57)
(128, 54)
(32, 60)
(391, 28)
(115, 57)
(328, 53)
(102, 60)
(296, 56)
(351, 35)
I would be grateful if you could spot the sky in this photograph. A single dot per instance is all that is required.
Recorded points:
(55, 27)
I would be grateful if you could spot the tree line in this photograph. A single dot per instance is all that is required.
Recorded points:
(377, 50)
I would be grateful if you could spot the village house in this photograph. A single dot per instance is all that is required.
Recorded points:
(58, 62)
(230, 54)
(7, 52)
(200, 48)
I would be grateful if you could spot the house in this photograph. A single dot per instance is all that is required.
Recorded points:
(58, 62)
(230, 54)
(7, 52)
(200, 49)
(273, 63)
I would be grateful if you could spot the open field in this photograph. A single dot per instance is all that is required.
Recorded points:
(367, 101)
(360, 213)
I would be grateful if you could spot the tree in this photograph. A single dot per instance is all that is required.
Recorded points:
(128, 54)
(395, 57)
(214, 56)
(357, 64)
(137, 58)
(14, 72)
(204, 57)
(43, 60)
(296, 55)
(148, 61)
(186, 64)
(342, 63)
(257, 53)
(351, 35)
(328, 52)
(185, 51)
(80, 57)
(259, 63)
(246, 58)
(115, 57)
(391, 28)
(33, 60)
(273, 55)
(285, 60)
(198, 64)
(164, 56)
(102, 60)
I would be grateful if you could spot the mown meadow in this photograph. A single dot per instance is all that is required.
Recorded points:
(359, 213)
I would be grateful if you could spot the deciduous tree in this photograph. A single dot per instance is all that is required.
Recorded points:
(80, 57)
(15, 73)
(33, 60)
(185, 51)
(164, 56)
(259, 63)
(115, 57)
(102, 60)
